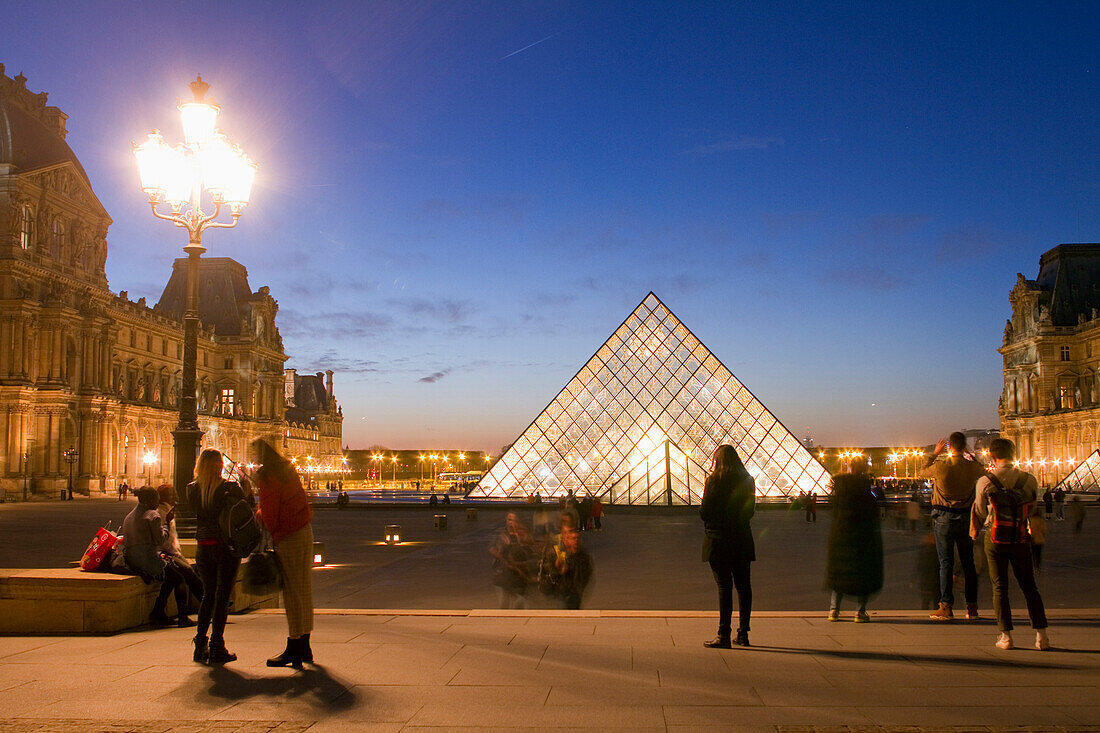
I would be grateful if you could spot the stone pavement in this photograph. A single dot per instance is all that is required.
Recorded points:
(612, 670)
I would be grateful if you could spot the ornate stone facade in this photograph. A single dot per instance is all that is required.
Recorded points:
(1051, 402)
(84, 368)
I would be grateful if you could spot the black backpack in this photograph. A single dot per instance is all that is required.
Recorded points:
(240, 528)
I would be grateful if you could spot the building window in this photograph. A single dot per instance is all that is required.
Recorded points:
(226, 404)
(229, 362)
(133, 339)
(1065, 353)
(179, 353)
(57, 242)
(26, 228)
(148, 342)
(1088, 349)
(204, 359)
(164, 347)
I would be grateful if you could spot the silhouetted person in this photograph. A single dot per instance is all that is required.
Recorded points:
(1048, 504)
(729, 501)
(952, 498)
(513, 562)
(1060, 504)
(854, 557)
(1006, 499)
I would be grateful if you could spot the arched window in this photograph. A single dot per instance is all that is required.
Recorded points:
(57, 241)
(26, 228)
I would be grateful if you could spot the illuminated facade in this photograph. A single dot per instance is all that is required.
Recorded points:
(82, 367)
(639, 422)
(1085, 477)
(1050, 407)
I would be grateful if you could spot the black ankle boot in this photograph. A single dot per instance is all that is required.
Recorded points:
(291, 656)
(742, 638)
(307, 652)
(202, 649)
(218, 654)
(722, 641)
(159, 618)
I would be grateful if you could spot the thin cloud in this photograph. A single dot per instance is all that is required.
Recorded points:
(965, 243)
(740, 142)
(530, 45)
(874, 279)
(434, 377)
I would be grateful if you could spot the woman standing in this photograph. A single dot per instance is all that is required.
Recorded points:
(286, 514)
(209, 494)
(854, 563)
(729, 501)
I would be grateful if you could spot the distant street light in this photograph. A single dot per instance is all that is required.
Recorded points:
(177, 176)
(71, 457)
(148, 459)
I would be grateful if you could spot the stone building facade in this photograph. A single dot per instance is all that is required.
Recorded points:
(1051, 402)
(84, 368)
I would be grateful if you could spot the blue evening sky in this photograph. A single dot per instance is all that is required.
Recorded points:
(458, 202)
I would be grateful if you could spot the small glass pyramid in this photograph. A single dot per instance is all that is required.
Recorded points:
(639, 422)
(1084, 478)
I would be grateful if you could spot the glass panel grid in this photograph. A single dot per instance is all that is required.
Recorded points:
(652, 386)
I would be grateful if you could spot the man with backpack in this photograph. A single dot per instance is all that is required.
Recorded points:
(1006, 502)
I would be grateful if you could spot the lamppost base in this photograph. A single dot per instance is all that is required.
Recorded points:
(186, 441)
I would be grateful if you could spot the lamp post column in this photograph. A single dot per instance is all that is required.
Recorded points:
(187, 435)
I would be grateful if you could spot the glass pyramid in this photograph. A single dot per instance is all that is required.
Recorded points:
(1086, 477)
(640, 421)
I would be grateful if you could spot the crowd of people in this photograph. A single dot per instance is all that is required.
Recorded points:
(995, 505)
(549, 556)
(271, 497)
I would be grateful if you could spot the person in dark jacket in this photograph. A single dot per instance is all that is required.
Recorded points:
(854, 560)
(209, 494)
(287, 515)
(729, 501)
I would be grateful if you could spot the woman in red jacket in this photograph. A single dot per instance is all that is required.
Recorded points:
(286, 513)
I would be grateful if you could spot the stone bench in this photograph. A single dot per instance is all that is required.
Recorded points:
(70, 601)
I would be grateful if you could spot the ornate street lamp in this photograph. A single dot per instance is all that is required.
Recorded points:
(148, 459)
(71, 456)
(176, 177)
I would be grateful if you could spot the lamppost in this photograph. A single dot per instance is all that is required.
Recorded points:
(28, 453)
(394, 458)
(177, 176)
(71, 457)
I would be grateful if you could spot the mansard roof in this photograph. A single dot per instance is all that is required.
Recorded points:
(32, 134)
(224, 294)
(1070, 276)
(310, 398)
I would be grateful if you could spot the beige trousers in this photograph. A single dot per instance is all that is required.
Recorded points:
(295, 553)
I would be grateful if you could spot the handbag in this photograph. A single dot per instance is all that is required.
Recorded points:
(104, 541)
(262, 575)
(1037, 527)
(709, 536)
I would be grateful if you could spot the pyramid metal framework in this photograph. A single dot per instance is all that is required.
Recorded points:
(1085, 478)
(639, 422)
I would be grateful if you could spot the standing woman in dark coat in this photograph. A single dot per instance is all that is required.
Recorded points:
(729, 501)
(209, 494)
(854, 565)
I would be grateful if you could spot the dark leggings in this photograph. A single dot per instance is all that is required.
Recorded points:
(218, 570)
(730, 574)
(1018, 557)
(178, 577)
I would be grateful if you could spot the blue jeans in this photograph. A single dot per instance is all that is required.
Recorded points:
(952, 530)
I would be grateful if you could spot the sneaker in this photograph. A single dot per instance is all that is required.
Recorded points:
(1004, 641)
(943, 613)
(1042, 642)
(834, 615)
(862, 617)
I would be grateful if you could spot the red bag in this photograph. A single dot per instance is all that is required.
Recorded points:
(103, 542)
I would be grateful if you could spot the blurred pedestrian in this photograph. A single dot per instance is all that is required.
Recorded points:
(854, 556)
(1048, 504)
(513, 562)
(287, 515)
(209, 493)
(1060, 504)
(1006, 500)
(1077, 511)
(927, 572)
(912, 510)
(729, 501)
(597, 513)
(573, 567)
(952, 497)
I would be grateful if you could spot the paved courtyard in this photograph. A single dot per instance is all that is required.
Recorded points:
(645, 560)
